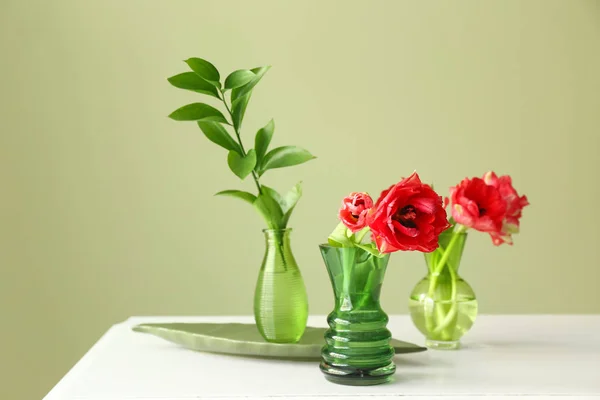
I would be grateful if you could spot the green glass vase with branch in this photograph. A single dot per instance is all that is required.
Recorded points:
(280, 301)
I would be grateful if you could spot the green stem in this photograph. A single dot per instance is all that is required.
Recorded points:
(368, 283)
(347, 275)
(362, 234)
(435, 271)
(239, 139)
(446, 319)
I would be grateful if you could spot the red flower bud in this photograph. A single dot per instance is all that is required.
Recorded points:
(354, 210)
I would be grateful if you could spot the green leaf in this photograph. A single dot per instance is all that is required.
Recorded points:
(269, 209)
(248, 197)
(370, 248)
(198, 112)
(239, 78)
(205, 70)
(247, 88)
(239, 109)
(290, 201)
(339, 237)
(287, 202)
(215, 132)
(244, 339)
(274, 194)
(285, 156)
(241, 96)
(262, 141)
(191, 81)
(241, 165)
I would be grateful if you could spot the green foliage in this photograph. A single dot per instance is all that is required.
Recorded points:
(240, 96)
(238, 109)
(205, 70)
(285, 204)
(238, 78)
(262, 141)
(191, 81)
(204, 78)
(241, 165)
(270, 209)
(197, 112)
(290, 201)
(247, 197)
(215, 132)
(247, 88)
(343, 237)
(340, 237)
(370, 248)
(285, 156)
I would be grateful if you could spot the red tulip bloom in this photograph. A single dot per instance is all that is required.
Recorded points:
(514, 207)
(408, 216)
(477, 205)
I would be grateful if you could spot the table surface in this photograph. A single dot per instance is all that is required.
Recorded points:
(516, 355)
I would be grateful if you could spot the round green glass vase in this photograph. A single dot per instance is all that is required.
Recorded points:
(280, 301)
(357, 347)
(443, 305)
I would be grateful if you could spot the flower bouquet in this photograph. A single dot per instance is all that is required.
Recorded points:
(280, 302)
(408, 216)
(443, 305)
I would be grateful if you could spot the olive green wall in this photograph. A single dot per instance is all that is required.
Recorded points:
(107, 208)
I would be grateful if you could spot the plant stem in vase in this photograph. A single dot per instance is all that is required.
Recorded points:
(442, 305)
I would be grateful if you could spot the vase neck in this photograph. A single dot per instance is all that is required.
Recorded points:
(356, 277)
(448, 254)
(278, 252)
(277, 236)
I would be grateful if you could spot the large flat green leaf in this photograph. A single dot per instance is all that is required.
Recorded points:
(285, 156)
(239, 78)
(240, 96)
(241, 165)
(215, 132)
(198, 112)
(270, 209)
(248, 197)
(247, 88)
(205, 70)
(191, 81)
(238, 110)
(287, 202)
(244, 339)
(291, 199)
(262, 140)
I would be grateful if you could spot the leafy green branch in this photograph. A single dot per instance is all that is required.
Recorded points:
(205, 79)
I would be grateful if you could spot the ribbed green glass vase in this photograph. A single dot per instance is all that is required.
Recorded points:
(443, 305)
(280, 301)
(357, 349)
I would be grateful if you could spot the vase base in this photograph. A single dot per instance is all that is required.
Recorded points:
(358, 377)
(442, 345)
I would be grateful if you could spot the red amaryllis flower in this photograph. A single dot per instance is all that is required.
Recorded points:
(408, 216)
(477, 205)
(354, 210)
(514, 206)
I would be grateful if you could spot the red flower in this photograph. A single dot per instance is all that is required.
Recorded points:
(477, 205)
(354, 210)
(514, 206)
(408, 216)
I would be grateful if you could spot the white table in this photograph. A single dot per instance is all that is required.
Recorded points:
(502, 356)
